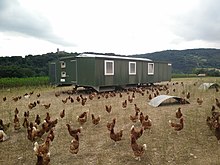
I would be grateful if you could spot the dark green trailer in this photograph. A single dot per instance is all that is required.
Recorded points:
(63, 71)
(107, 72)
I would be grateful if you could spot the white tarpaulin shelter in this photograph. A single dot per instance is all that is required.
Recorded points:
(208, 85)
(156, 101)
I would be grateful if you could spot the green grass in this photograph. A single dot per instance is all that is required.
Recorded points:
(183, 75)
(20, 82)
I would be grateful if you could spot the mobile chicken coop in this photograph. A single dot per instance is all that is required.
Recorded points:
(107, 72)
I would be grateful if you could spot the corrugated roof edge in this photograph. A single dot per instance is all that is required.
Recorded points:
(113, 57)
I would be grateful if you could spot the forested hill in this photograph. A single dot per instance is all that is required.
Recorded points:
(186, 61)
(28, 66)
(183, 61)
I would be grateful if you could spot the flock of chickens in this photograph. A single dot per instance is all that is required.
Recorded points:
(213, 120)
(42, 128)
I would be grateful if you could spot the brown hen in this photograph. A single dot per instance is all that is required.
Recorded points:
(138, 150)
(179, 113)
(74, 146)
(116, 136)
(73, 132)
(96, 121)
(177, 126)
(16, 123)
(134, 118)
(62, 113)
(108, 108)
(199, 101)
(136, 133)
(111, 125)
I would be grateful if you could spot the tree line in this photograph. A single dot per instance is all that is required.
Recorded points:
(183, 62)
(28, 66)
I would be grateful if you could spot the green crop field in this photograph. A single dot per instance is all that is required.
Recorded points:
(21, 82)
(195, 144)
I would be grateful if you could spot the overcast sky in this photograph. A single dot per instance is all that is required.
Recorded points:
(116, 26)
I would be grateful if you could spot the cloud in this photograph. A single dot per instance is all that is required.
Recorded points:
(202, 23)
(15, 18)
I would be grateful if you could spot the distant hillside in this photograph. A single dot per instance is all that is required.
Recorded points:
(186, 61)
(183, 61)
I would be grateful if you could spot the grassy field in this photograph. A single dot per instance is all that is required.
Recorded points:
(184, 75)
(194, 145)
(20, 82)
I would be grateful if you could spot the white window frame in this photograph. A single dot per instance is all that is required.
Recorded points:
(150, 68)
(62, 64)
(130, 71)
(112, 71)
(63, 74)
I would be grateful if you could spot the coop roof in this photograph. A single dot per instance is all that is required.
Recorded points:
(208, 85)
(113, 57)
(156, 101)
